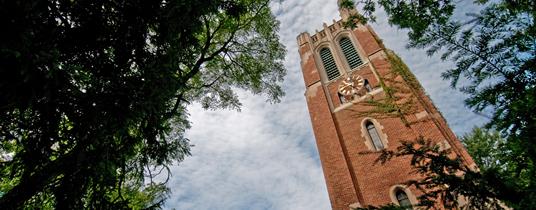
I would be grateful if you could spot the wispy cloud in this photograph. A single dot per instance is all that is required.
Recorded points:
(265, 156)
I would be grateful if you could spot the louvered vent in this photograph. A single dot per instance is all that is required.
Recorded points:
(329, 64)
(350, 53)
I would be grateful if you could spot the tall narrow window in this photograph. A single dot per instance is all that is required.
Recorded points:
(367, 86)
(350, 53)
(329, 64)
(374, 135)
(403, 199)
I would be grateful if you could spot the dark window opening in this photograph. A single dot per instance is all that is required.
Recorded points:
(374, 136)
(350, 53)
(403, 199)
(367, 86)
(329, 64)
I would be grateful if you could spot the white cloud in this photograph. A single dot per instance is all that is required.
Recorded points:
(265, 156)
(246, 161)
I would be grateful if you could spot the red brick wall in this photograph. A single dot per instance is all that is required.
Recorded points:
(348, 164)
(366, 40)
(338, 179)
(310, 71)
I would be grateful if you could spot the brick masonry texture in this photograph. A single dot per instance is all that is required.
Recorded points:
(349, 165)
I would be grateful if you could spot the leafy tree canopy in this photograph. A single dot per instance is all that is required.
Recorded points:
(94, 94)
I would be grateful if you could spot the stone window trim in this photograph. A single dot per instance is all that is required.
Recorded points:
(379, 128)
(392, 194)
(320, 63)
(332, 43)
(350, 53)
(331, 69)
(360, 51)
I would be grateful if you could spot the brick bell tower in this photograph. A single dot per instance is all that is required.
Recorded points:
(344, 71)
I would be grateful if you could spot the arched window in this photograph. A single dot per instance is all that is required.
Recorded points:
(329, 64)
(350, 53)
(367, 86)
(403, 199)
(374, 135)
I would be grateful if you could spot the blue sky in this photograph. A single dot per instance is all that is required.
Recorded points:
(265, 157)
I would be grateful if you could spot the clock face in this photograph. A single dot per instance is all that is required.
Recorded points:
(351, 85)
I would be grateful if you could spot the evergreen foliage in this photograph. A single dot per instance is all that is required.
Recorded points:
(488, 148)
(94, 94)
(397, 85)
(447, 180)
